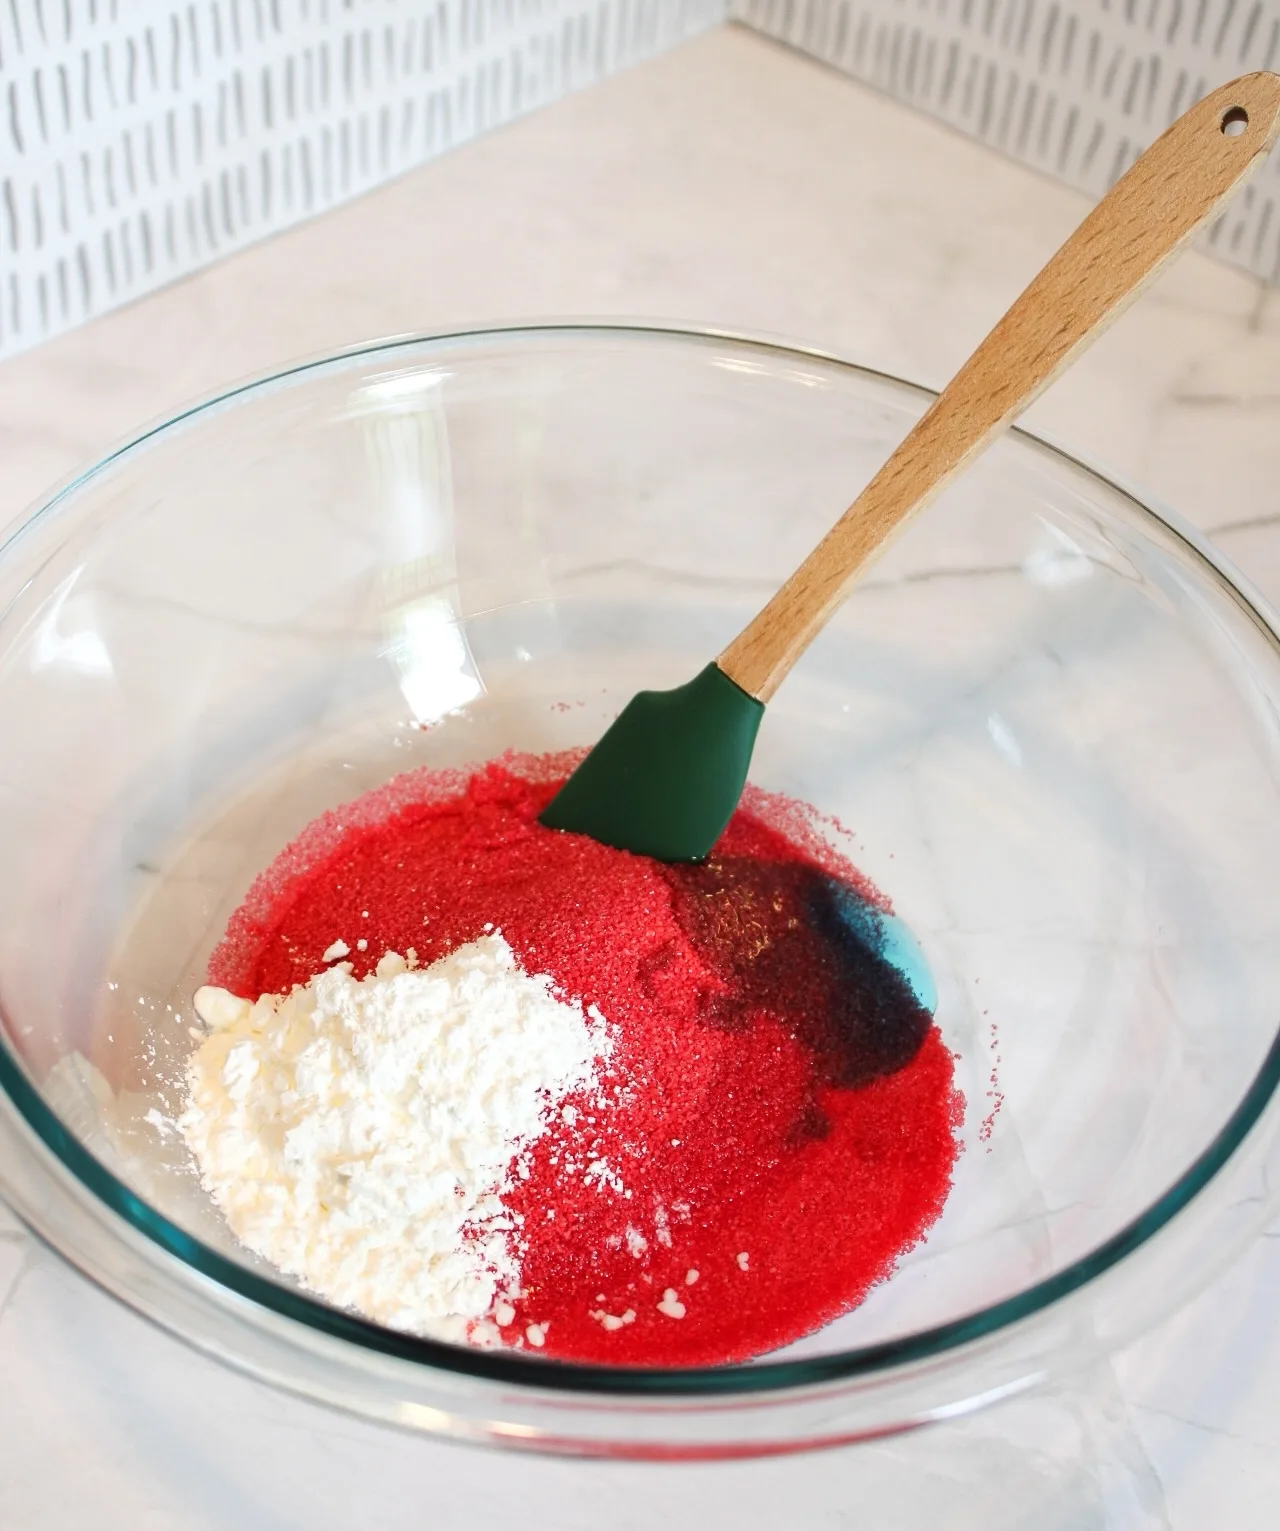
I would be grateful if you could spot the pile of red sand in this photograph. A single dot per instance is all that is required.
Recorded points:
(784, 1111)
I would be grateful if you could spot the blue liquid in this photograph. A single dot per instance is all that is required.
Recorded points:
(850, 982)
(887, 937)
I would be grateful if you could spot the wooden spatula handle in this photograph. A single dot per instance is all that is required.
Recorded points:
(1148, 215)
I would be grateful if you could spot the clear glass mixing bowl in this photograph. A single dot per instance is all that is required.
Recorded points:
(1048, 718)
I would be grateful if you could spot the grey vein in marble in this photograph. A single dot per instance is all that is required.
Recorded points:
(13, 1257)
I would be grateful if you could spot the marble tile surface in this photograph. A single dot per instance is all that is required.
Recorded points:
(731, 184)
(162, 1439)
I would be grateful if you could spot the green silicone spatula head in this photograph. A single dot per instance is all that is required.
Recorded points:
(666, 777)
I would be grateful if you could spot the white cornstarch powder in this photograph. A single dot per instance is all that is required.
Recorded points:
(359, 1135)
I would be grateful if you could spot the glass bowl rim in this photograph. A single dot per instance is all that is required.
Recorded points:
(70, 1156)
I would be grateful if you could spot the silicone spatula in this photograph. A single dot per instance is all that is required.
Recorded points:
(665, 778)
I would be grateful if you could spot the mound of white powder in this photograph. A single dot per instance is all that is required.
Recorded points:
(358, 1135)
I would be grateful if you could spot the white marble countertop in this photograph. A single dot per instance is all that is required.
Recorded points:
(735, 185)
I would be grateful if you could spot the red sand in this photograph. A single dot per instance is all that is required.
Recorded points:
(782, 1095)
